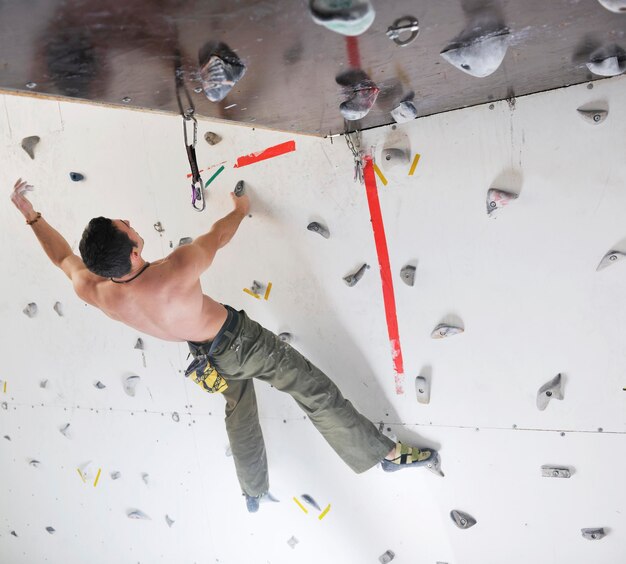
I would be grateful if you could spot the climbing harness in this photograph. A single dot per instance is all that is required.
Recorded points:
(188, 114)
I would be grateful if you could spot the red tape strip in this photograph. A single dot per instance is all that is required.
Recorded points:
(268, 153)
(385, 271)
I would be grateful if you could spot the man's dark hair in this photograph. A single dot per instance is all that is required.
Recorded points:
(105, 249)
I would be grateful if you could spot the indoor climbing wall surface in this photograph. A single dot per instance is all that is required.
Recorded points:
(109, 455)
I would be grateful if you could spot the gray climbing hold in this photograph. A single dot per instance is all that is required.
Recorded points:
(256, 287)
(144, 477)
(408, 274)
(386, 557)
(139, 344)
(479, 56)
(593, 534)
(551, 390)
(292, 542)
(99, 385)
(392, 156)
(158, 227)
(5, 405)
(28, 144)
(422, 389)
(444, 330)
(360, 91)
(115, 475)
(285, 337)
(407, 25)
(65, 430)
(316, 227)
(137, 514)
(130, 383)
(308, 499)
(51, 530)
(220, 69)
(185, 241)
(212, 138)
(76, 176)
(404, 112)
(30, 310)
(352, 279)
(34, 463)
(607, 61)
(434, 465)
(240, 189)
(497, 199)
(617, 6)
(349, 17)
(14, 533)
(169, 521)
(58, 307)
(593, 116)
(554, 472)
(7, 437)
(175, 416)
(43, 384)
(610, 258)
(462, 520)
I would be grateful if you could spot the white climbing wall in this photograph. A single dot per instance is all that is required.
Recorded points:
(524, 286)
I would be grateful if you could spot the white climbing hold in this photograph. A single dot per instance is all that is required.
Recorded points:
(478, 57)
(115, 475)
(498, 199)
(58, 307)
(43, 384)
(607, 61)
(137, 514)
(65, 431)
(610, 258)
(229, 451)
(285, 337)
(550, 390)
(34, 463)
(212, 138)
(28, 144)
(5, 405)
(292, 542)
(130, 384)
(30, 310)
(144, 477)
(169, 521)
(554, 472)
(316, 227)
(408, 274)
(444, 330)
(404, 112)
(220, 69)
(462, 520)
(387, 557)
(349, 17)
(593, 116)
(422, 389)
(99, 385)
(617, 6)
(593, 534)
(176, 417)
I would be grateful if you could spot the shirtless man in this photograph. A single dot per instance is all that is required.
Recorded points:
(164, 299)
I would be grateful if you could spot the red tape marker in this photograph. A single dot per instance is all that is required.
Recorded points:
(354, 53)
(268, 153)
(385, 271)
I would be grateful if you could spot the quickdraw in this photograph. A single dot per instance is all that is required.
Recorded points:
(188, 114)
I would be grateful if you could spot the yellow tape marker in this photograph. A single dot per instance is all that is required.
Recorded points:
(5, 387)
(416, 159)
(81, 475)
(97, 477)
(380, 174)
(269, 289)
(252, 293)
(300, 505)
(323, 513)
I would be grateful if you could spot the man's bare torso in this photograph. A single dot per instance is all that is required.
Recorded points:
(158, 304)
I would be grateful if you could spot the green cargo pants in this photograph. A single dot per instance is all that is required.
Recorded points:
(244, 350)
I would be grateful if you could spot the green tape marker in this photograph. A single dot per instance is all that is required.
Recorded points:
(220, 169)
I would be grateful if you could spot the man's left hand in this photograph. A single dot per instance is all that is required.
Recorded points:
(21, 201)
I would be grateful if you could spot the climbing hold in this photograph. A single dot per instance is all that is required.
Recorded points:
(422, 389)
(240, 189)
(607, 61)
(130, 384)
(43, 384)
(169, 521)
(497, 199)
(408, 274)
(352, 279)
(115, 475)
(308, 499)
(479, 56)
(593, 116)
(5, 405)
(292, 542)
(76, 176)
(386, 557)
(404, 25)
(229, 451)
(462, 520)
(361, 93)
(34, 463)
(51, 530)
(393, 156)
(404, 112)
(30, 310)
(99, 385)
(319, 228)
(434, 465)
(65, 430)
(554, 472)
(593, 534)
(285, 337)
(220, 70)
(176, 417)
(58, 307)
(212, 138)
(349, 17)
(14, 533)
(610, 258)
(7, 437)
(617, 6)
(28, 144)
(144, 477)
(551, 390)
(185, 241)
(139, 344)
(158, 227)
(136, 514)
(256, 287)
(444, 330)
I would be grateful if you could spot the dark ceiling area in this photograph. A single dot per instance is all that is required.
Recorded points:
(289, 72)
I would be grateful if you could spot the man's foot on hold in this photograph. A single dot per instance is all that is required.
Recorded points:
(410, 457)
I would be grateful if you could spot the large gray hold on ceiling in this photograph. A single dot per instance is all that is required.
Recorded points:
(126, 53)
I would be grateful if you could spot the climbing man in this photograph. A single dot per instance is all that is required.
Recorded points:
(164, 299)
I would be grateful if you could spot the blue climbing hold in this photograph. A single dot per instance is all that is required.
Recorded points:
(76, 176)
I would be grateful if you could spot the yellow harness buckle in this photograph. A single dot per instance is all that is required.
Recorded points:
(203, 373)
